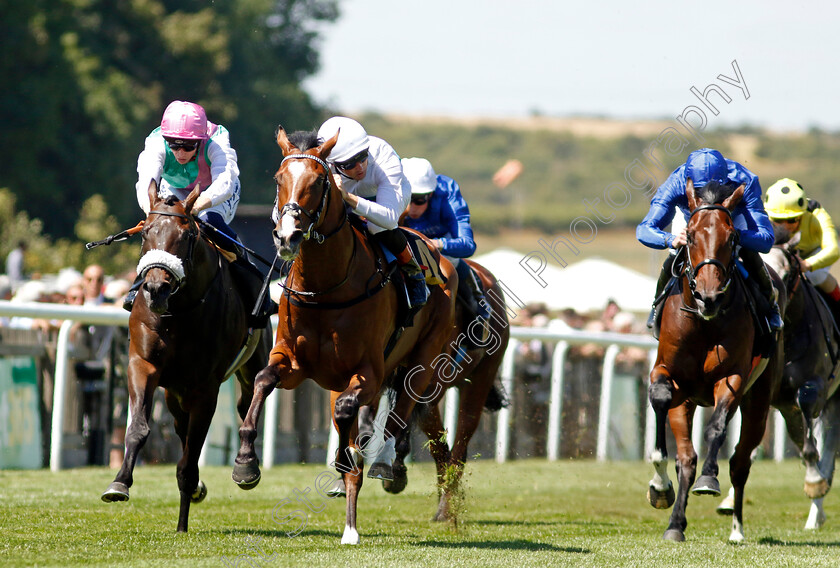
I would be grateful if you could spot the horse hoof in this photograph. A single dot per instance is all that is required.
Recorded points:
(674, 535)
(381, 471)
(726, 507)
(338, 489)
(399, 482)
(200, 492)
(706, 485)
(661, 499)
(246, 476)
(816, 490)
(116, 492)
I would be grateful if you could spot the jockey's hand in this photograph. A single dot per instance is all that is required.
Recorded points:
(201, 203)
(349, 198)
(804, 265)
(680, 240)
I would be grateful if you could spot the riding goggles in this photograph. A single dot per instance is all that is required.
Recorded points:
(352, 162)
(419, 199)
(186, 145)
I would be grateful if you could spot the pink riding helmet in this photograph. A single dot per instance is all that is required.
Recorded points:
(184, 120)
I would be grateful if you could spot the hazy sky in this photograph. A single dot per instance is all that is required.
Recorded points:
(600, 57)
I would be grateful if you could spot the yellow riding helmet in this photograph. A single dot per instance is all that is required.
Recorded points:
(785, 200)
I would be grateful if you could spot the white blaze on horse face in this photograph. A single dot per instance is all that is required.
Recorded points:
(288, 223)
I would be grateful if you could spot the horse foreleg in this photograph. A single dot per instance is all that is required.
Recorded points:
(143, 379)
(660, 393)
(810, 395)
(754, 410)
(192, 429)
(246, 469)
(349, 460)
(830, 446)
(681, 419)
(715, 435)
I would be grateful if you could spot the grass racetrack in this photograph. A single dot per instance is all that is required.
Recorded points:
(522, 513)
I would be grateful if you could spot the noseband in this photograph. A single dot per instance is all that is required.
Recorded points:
(728, 271)
(170, 263)
(294, 210)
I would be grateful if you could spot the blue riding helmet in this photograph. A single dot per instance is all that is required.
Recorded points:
(706, 165)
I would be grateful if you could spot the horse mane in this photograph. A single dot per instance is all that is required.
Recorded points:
(171, 200)
(713, 192)
(304, 139)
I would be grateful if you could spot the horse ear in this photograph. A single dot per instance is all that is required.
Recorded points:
(325, 148)
(190, 200)
(734, 199)
(153, 194)
(283, 141)
(689, 193)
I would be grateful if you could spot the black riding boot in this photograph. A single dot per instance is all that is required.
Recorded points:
(757, 270)
(394, 240)
(664, 276)
(474, 295)
(128, 301)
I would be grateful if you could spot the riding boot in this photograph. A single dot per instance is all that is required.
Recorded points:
(664, 276)
(415, 282)
(757, 269)
(128, 301)
(249, 281)
(474, 295)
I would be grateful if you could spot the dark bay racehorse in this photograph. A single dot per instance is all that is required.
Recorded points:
(188, 331)
(708, 356)
(478, 355)
(338, 317)
(809, 383)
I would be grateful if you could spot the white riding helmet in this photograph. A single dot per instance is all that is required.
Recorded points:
(351, 140)
(420, 175)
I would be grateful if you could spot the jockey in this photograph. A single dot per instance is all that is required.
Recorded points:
(370, 177)
(185, 150)
(438, 210)
(754, 227)
(788, 205)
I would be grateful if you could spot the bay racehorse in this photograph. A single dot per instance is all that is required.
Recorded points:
(807, 395)
(188, 330)
(338, 319)
(476, 349)
(709, 355)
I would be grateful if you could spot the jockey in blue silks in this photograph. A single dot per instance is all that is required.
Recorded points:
(751, 221)
(439, 211)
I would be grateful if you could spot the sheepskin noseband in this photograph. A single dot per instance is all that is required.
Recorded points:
(157, 258)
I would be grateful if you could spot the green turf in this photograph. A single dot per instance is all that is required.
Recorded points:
(523, 513)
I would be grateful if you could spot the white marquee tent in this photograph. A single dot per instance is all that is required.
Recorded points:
(584, 286)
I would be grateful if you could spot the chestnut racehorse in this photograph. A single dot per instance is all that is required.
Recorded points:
(338, 319)
(708, 356)
(188, 331)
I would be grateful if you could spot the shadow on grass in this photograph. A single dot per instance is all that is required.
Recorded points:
(538, 523)
(517, 544)
(770, 541)
(277, 533)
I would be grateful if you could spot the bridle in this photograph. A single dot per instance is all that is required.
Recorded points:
(729, 271)
(170, 263)
(295, 210)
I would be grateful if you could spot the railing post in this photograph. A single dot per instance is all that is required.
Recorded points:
(606, 401)
(451, 415)
(61, 358)
(555, 405)
(650, 415)
(503, 422)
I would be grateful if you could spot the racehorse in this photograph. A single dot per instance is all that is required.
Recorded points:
(338, 318)
(809, 382)
(709, 355)
(478, 355)
(188, 334)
